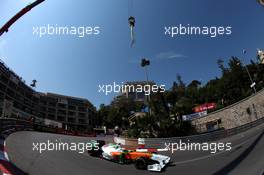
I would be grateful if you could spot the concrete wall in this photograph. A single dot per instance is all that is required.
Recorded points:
(240, 113)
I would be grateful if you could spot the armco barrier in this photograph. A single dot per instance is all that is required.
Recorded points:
(206, 137)
(9, 125)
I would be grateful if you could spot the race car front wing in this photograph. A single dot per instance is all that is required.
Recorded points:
(162, 162)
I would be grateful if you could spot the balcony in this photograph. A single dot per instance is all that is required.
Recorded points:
(81, 115)
(51, 117)
(3, 79)
(82, 121)
(61, 112)
(71, 120)
(51, 110)
(70, 107)
(62, 106)
(61, 118)
(82, 109)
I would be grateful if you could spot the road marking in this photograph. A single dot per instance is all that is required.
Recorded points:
(212, 155)
(5, 153)
(6, 156)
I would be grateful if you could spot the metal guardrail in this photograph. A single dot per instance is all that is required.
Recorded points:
(10, 125)
(206, 137)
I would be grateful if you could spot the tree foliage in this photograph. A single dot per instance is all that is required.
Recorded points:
(167, 108)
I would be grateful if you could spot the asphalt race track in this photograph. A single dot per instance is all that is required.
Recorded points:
(245, 158)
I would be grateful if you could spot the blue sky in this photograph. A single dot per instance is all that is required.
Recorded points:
(76, 66)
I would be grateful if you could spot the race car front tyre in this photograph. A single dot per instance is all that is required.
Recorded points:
(141, 163)
(95, 153)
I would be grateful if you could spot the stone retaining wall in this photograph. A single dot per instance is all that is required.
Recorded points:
(240, 113)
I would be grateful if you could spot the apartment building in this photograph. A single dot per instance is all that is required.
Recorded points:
(21, 101)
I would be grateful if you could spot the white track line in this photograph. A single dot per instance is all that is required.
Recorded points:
(5, 153)
(211, 155)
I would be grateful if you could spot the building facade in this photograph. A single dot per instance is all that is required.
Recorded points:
(21, 101)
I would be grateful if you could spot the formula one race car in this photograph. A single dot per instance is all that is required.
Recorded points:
(144, 159)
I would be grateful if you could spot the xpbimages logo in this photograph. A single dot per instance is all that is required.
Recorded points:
(213, 147)
(58, 145)
(147, 88)
(79, 31)
(189, 30)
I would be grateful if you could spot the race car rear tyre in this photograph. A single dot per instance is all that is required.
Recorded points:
(141, 163)
(95, 152)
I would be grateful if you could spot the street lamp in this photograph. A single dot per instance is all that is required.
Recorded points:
(261, 2)
(131, 22)
(253, 84)
(33, 84)
(145, 63)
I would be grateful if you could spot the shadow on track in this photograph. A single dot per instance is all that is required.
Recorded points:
(229, 167)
